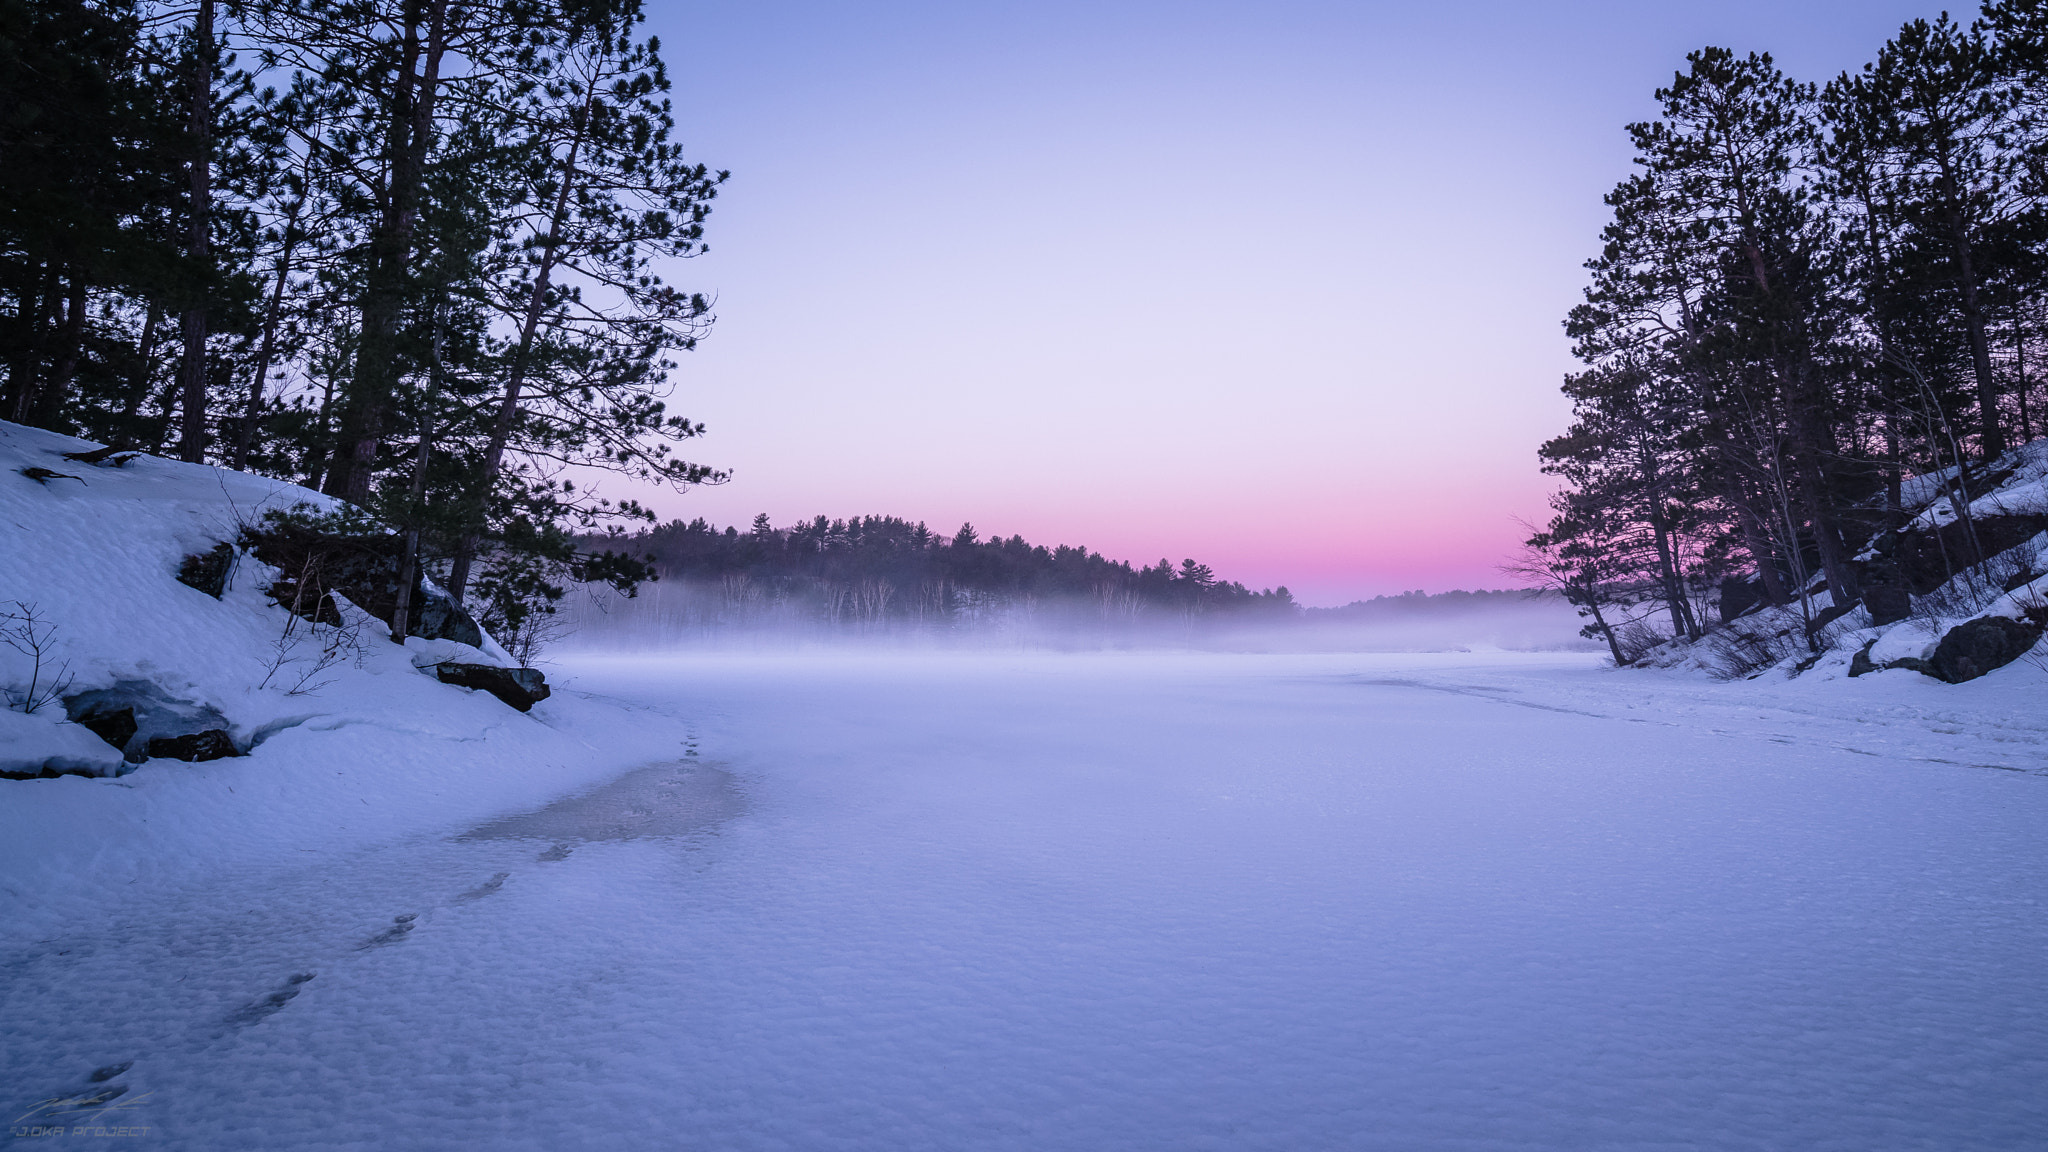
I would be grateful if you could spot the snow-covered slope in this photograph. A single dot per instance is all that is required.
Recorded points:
(2008, 504)
(370, 747)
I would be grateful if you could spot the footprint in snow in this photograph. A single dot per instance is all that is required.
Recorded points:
(82, 1104)
(558, 852)
(257, 1009)
(400, 925)
(486, 888)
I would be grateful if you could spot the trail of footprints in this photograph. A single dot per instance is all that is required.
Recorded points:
(91, 1102)
(94, 1098)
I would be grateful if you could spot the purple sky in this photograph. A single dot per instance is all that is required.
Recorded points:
(1275, 286)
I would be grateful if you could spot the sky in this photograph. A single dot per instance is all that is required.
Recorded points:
(1278, 286)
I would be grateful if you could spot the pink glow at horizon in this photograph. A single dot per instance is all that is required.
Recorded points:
(1275, 287)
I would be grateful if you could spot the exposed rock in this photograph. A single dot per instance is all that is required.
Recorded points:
(113, 454)
(155, 713)
(212, 744)
(1887, 604)
(363, 567)
(1927, 558)
(114, 725)
(1738, 596)
(439, 618)
(1829, 615)
(208, 571)
(1861, 664)
(522, 688)
(1971, 649)
(307, 600)
(1887, 594)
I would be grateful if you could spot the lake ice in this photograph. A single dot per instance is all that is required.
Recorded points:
(1102, 901)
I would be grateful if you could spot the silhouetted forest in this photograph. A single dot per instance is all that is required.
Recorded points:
(1808, 295)
(874, 569)
(412, 253)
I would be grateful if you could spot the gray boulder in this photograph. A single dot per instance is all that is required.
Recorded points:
(212, 744)
(114, 725)
(1888, 603)
(522, 688)
(1975, 647)
(1738, 596)
(208, 571)
(139, 714)
(440, 618)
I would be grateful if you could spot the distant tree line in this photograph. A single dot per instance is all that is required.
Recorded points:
(1807, 293)
(869, 570)
(1419, 602)
(407, 252)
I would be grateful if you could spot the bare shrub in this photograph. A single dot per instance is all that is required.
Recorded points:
(2034, 610)
(1738, 653)
(1973, 587)
(308, 648)
(34, 637)
(1635, 639)
(537, 631)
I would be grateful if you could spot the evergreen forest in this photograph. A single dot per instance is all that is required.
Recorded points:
(1810, 292)
(867, 571)
(410, 253)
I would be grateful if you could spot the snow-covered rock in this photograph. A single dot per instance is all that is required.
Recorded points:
(1906, 640)
(47, 743)
(339, 729)
(2023, 492)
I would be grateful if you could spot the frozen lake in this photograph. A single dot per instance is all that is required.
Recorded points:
(1134, 902)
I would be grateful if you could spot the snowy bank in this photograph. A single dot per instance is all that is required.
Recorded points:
(371, 745)
(1958, 591)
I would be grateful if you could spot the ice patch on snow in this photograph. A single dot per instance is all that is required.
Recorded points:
(662, 800)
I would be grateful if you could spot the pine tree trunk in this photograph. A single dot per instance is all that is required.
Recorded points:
(40, 312)
(401, 615)
(1990, 433)
(323, 452)
(1667, 575)
(138, 380)
(49, 404)
(20, 366)
(250, 414)
(192, 438)
(1600, 622)
(1894, 496)
(1765, 555)
(536, 304)
(2019, 352)
(390, 250)
(1827, 535)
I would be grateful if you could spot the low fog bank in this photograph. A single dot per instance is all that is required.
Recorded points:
(688, 614)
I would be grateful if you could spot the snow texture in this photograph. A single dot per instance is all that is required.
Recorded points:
(28, 744)
(1082, 901)
(1007, 901)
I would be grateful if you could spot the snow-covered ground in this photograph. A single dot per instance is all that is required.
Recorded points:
(1035, 901)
